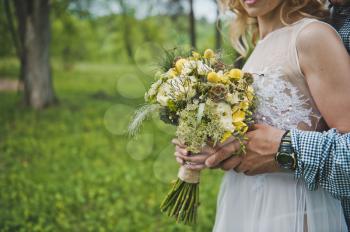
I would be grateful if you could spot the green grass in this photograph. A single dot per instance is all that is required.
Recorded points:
(61, 169)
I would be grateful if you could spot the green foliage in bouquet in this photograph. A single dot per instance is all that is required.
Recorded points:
(208, 127)
(171, 56)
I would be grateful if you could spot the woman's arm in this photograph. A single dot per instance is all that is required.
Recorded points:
(326, 66)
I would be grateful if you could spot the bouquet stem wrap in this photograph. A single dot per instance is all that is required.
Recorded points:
(188, 175)
(182, 201)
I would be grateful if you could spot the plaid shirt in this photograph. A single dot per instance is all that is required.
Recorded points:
(323, 160)
(340, 20)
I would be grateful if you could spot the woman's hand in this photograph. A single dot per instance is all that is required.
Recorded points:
(209, 157)
(189, 160)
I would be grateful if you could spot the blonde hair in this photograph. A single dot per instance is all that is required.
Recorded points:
(244, 29)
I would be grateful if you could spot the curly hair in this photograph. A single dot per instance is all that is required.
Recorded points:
(244, 29)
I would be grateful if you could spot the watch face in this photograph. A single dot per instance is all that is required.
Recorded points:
(285, 160)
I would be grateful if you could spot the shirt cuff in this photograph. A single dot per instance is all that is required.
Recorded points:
(305, 144)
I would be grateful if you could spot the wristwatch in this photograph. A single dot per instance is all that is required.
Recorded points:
(286, 157)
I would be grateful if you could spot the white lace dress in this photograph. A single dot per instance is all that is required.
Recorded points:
(277, 202)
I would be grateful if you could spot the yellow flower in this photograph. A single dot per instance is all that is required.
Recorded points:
(250, 93)
(225, 136)
(208, 54)
(179, 65)
(196, 55)
(241, 126)
(213, 77)
(172, 73)
(244, 105)
(238, 116)
(225, 79)
(236, 74)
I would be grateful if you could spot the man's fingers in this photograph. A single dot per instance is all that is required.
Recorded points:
(208, 150)
(222, 154)
(231, 163)
(266, 166)
(227, 141)
(250, 163)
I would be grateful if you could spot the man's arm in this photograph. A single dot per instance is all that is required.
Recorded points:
(323, 159)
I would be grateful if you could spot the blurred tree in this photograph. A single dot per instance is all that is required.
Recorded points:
(175, 8)
(192, 25)
(128, 14)
(10, 25)
(66, 13)
(6, 40)
(218, 27)
(34, 41)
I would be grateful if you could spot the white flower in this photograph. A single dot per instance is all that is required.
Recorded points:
(225, 113)
(232, 98)
(188, 67)
(177, 89)
(163, 98)
(220, 73)
(171, 73)
(202, 68)
(193, 79)
(152, 92)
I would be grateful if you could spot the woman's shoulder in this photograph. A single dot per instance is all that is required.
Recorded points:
(319, 46)
(315, 34)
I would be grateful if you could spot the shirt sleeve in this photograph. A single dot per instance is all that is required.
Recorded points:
(345, 202)
(323, 160)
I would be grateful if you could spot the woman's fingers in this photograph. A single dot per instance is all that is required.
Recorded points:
(180, 161)
(196, 167)
(197, 158)
(182, 151)
(177, 142)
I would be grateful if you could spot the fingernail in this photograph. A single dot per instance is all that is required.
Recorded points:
(208, 163)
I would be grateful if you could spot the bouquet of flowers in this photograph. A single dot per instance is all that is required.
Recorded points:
(208, 101)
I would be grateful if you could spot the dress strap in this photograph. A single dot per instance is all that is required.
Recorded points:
(302, 24)
(293, 52)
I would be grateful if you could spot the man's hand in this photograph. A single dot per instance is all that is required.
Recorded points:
(262, 146)
(340, 2)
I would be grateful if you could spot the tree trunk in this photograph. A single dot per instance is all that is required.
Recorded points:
(127, 30)
(192, 30)
(127, 38)
(34, 32)
(11, 27)
(218, 29)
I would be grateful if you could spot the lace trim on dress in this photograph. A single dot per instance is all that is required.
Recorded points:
(280, 104)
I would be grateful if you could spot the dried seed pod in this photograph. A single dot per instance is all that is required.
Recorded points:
(218, 92)
(219, 65)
